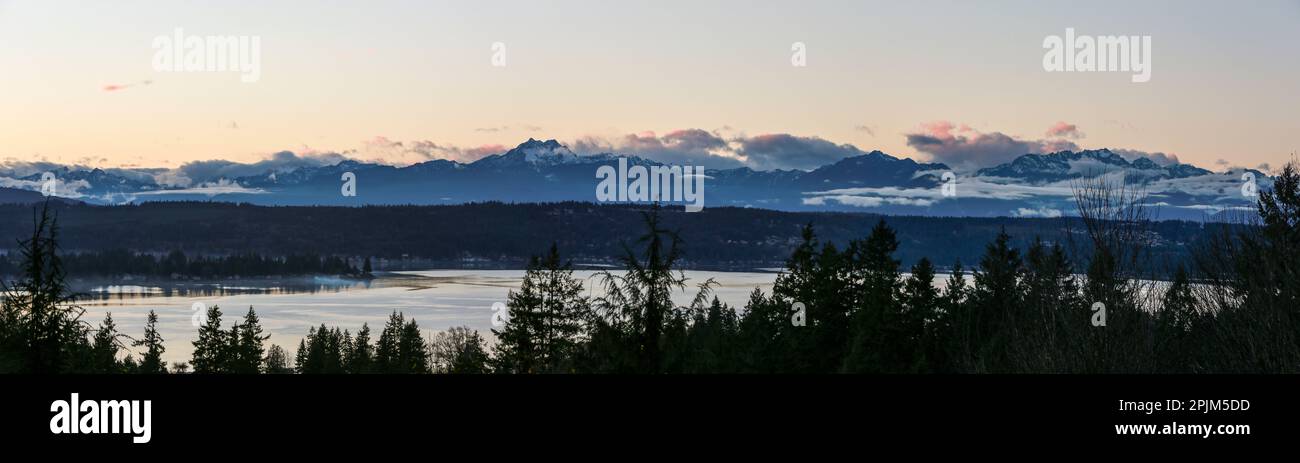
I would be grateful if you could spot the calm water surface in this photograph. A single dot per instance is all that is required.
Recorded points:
(437, 299)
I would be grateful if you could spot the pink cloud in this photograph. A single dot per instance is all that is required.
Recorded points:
(485, 150)
(682, 146)
(384, 148)
(969, 148)
(1063, 130)
(116, 87)
(939, 129)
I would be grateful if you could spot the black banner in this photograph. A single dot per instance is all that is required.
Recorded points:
(321, 412)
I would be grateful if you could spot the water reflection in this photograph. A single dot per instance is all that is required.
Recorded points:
(106, 290)
(90, 290)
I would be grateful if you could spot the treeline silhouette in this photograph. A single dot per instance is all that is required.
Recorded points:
(507, 235)
(176, 264)
(1233, 307)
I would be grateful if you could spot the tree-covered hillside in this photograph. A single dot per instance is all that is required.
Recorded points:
(506, 235)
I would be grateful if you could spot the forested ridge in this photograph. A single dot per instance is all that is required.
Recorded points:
(1232, 306)
(506, 235)
(119, 263)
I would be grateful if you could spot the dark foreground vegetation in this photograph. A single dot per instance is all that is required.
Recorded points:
(1233, 306)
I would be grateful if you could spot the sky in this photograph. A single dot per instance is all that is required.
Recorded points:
(689, 81)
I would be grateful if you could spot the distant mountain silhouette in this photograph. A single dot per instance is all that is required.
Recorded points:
(1065, 165)
(17, 196)
(548, 171)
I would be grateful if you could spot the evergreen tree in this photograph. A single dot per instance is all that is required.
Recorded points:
(412, 354)
(545, 323)
(711, 338)
(104, 348)
(211, 349)
(761, 338)
(1052, 313)
(323, 351)
(230, 351)
(919, 302)
(994, 299)
(387, 351)
(129, 365)
(878, 332)
(949, 337)
(347, 351)
(654, 280)
(151, 362)
(41, 330)
(1256, 322)
(637, 305)
(1175, 323)
(473, 358)
(362, 352)
(300, 357)
(822, 285)
(247, 351)
(334, 357)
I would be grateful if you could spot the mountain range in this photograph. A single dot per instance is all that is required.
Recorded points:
(1032, 185)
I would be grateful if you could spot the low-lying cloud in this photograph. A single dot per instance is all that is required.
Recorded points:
(1161, 159)
(381, 149)
(198, 172)
(964, 148)
(714, 150)
(785, 151)
(1063, 130)
(220, 187)
(695, 147)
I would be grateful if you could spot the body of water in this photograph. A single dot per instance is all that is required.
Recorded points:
(436, 299)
